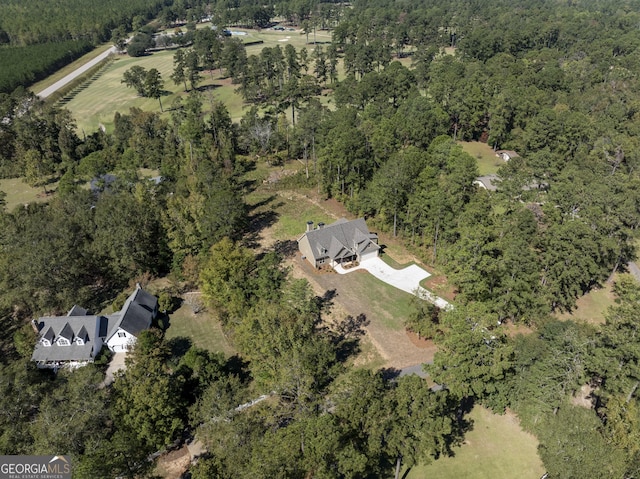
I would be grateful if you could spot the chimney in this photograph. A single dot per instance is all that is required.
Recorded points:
(34, 325)
(309, 225)
(320, 226)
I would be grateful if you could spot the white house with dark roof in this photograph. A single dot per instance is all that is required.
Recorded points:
(76, 339)
(338, 243)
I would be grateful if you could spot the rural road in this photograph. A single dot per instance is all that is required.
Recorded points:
(76, 73)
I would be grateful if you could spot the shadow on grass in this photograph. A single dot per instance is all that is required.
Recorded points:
(179, 346)
(260, 220)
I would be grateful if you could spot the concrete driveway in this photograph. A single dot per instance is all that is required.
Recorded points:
(117, 363)
(406, 279)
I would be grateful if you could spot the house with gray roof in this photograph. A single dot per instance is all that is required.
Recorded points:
(341, 242)
(76, 339)
(487, 182)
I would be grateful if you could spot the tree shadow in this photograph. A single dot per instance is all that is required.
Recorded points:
(286, 248)
(346, 336)
(205, 88)
(179, 346)
(237, 366)
(260, 220)
(390, 374)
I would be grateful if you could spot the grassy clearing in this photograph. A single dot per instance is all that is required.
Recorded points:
(203, 329)
(592, 307)
(63, 72)
(488, 162)
(20, 193)
(496, 448)
(90, 109)
(392, 304)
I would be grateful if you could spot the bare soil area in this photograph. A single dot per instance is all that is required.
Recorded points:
(173, 464)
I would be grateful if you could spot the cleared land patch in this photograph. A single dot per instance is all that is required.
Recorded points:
(488, 162)
(203, 329)
(496, 448)
(20, 193)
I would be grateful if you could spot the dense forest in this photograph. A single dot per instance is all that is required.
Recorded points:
(555, 81)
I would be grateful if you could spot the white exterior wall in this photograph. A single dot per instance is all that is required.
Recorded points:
(118, 344)
(368, 255)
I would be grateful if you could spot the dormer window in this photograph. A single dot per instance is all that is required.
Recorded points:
(63, 342)
(79, 341)
(45, 342)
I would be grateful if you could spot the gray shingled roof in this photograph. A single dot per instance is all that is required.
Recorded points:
(77, 311)
(488, 181)
(66, 332)
(66, 326)
(82, 334)
(135, 316)
(149, 301)
(340, 239)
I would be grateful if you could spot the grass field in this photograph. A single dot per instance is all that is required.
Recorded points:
(90, 109)
(20, 193)
(496, 448)
(488, 162)
(202, 328)
(592, 307)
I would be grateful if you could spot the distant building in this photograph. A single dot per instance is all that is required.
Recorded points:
(507, 155)
(487, 182)
(76, 339)
(338, 243)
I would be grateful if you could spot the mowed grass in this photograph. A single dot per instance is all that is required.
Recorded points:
(592, 307)
(19, 193)
(98, 102)
(496, 448)
(203, 329)
(488, 162)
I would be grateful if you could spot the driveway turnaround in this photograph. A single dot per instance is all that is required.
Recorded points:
(407, 279)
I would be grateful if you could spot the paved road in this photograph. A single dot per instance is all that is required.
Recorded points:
(75, 74)
(406, 279)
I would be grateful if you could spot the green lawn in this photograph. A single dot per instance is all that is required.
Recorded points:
(20, 193)
(97, 103)
(496, 448)
(593, 306)
(202, 328)
(488, 162)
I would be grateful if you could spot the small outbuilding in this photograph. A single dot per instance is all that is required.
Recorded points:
(507, 155)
